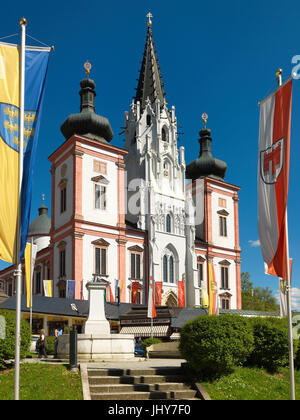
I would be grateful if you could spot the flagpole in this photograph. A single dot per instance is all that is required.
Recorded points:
(288, 288)
(289, 313)
(31, 276)
(18, 272)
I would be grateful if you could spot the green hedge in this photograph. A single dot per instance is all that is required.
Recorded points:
(50, 345)
(271, 349)
(149, 341)
(214, 345)
(7, 346)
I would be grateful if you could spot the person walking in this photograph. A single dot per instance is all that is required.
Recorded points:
(58, 332)
(41, 345)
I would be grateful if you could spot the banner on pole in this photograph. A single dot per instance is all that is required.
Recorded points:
(36, 64)
(47, 288)
(70, 289)
(30, 256)
(213, 288)
(273, 178)
(151, 304)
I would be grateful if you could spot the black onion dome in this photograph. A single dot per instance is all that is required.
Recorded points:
(87, 123)
(206, 164)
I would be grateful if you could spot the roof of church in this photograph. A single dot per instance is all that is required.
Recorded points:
(150, 84)
(87, 122)
(206, 164)
(42, 224)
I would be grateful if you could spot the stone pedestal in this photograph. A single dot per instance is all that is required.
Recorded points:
(97, 343)
(96, 322)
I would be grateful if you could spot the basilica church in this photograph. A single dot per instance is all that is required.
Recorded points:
(128, 215)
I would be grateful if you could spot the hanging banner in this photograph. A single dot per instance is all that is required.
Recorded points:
(273, 177)
(36, 64)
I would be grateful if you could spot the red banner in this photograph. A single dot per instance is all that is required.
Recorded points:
(181, 294)
(158, 292)
(111, 296)
(134, 291)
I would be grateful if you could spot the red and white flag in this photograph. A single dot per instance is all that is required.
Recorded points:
(273, 177)
(151, 304)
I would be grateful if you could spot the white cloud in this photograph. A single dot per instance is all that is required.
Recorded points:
(295, 298)
(254, 244)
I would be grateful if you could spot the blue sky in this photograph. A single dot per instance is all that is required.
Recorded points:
(216, 57)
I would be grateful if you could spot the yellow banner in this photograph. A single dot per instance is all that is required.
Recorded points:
(27, 256)
(9, 157)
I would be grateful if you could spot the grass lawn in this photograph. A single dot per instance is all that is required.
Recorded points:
(42, 382)
(253, 384)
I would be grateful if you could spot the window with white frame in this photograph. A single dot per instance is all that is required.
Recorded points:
(224, 267)
(169, 267)
(100, 257)
(100, 197)
(100, 192)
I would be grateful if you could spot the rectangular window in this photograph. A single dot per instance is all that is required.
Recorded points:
(38, 285)
(222, 202)
(200, 274)
(223, 226)
(224, 278)
(63, 200)
(100, 261)
(62, 263)
(225, 304)
(135, 266)
(100, 167)
(100, 197)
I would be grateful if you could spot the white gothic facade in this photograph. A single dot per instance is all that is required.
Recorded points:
(128, 215)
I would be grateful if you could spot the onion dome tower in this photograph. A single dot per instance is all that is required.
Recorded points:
(39, 228)
(42, 224)
(206, 164)
(87, 123)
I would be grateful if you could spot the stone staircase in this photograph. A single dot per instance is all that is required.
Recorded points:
(166, 383)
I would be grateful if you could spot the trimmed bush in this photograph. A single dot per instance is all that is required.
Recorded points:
(149, 341)
(50, 345)
(7, 346)
(270, 343)
(214, 345)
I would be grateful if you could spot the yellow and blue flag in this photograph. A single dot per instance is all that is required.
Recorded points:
(36, 64)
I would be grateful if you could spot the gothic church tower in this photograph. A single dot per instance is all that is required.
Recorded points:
(156, 176)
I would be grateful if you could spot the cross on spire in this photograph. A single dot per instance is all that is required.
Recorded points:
(149, 16)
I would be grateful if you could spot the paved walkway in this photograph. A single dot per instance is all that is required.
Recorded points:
(137, 363)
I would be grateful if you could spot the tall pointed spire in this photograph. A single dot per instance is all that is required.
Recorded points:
(149, 84)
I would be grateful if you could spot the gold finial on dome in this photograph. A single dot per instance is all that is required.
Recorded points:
(149, 16)
(204, 118)
(87, 66)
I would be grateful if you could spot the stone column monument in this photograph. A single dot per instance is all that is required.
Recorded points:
(96, 322)
(97, 343)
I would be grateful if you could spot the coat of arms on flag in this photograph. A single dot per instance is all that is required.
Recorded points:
(271, 162)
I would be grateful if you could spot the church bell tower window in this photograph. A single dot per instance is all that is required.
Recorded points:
(168, 223)
(164, 134)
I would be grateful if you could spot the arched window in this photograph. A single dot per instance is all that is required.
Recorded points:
(171, 269)
(165, 269)
(170, 263)
(148, 120)
(164, 134)
(168, 223)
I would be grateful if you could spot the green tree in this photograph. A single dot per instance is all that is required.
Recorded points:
(257, 298)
